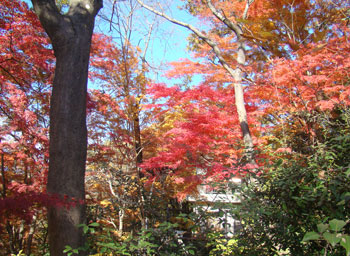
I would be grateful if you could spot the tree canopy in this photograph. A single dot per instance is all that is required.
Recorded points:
(116, 165)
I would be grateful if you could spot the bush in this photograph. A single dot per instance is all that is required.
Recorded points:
(295, 193)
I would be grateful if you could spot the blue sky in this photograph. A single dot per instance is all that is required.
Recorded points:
(168, 41)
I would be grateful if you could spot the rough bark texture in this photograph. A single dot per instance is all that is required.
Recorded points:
(71, 38)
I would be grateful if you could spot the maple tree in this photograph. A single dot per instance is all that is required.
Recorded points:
(191, 128)
(117, 68)
(267, 30)
(96, 102)
(120, 70)
(215, 51)
(113, 133)
(294, 75)
(307, 80)
(235, 73)
(26, 68)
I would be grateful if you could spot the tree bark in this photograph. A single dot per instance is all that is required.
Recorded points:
(137, 134)
(237, 74)
(71, 39)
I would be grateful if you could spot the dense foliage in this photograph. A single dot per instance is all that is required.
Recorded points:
(151, 144)
(297, 193)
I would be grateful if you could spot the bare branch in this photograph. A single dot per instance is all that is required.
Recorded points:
(234, 27)
(197, 32)
(245, 13)
(143, 57)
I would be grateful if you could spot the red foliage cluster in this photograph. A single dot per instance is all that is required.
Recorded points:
(26, 72)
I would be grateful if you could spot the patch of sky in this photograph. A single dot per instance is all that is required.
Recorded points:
(168, 42)
(28, 2)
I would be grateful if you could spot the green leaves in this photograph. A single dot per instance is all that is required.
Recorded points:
(311, 236)
(89, 228)
(70, 251)
(345, 242)
(336, 225)
(331, 238)
(322, 227)
(331, 233)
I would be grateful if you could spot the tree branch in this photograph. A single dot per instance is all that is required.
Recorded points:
(197, 32)
(245, 13)
(48, 14)
(234, 27)
(235, 73)
(81, 7)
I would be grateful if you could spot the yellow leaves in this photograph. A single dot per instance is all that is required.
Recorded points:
(97, 186)
(266, 34)
(168, 123)
(171, 117)
(271, 25)
(102, 254)
(105, 203)
(319, 47)
(319, 35)
(139, 98)
(134, 177)
(124, 237)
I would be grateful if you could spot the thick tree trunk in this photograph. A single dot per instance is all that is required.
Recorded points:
(71, 39)
(68, 139)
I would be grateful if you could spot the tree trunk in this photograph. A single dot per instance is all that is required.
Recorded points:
(29, 239)
(68, 141)
(137, 134)
(71, 39)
